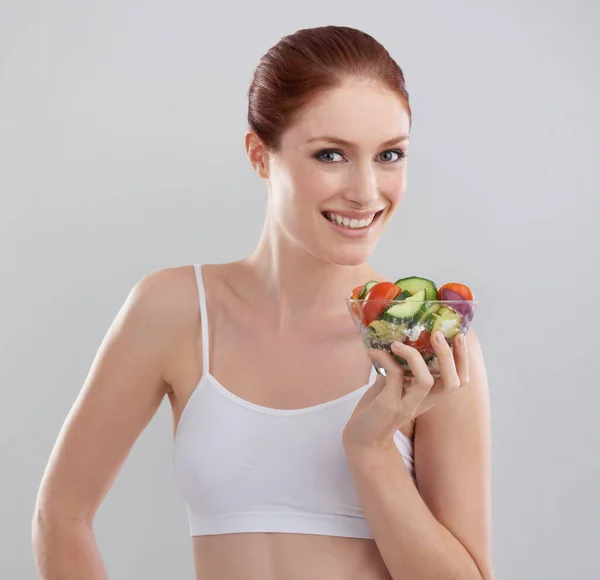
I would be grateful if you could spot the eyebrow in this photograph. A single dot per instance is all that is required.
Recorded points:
(337, 140)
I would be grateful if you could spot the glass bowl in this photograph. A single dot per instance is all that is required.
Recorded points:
(381, 322)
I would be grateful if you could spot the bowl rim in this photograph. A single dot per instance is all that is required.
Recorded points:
(457, 300)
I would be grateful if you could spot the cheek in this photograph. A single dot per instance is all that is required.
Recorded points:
(292, 200)
(312, 186)
(302, 190)
(395, 187)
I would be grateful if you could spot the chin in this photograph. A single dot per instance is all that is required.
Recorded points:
(349, 256)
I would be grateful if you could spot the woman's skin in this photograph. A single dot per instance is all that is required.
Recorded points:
(291, 310)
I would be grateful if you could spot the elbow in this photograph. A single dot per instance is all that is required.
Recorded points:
(43, 525)
(65, 548)
(51, 522)
(42, 531)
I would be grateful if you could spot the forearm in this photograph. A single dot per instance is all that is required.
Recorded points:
(413, 544)
(66, 550)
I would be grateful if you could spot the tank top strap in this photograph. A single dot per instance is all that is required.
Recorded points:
(203, 318)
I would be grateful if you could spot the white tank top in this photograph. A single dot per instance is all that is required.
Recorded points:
(242, 467)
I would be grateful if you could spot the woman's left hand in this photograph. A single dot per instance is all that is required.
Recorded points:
(395, 399)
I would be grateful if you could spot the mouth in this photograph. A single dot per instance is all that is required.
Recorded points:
(352, 223)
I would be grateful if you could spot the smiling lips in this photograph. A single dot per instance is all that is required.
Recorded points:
(350, 220)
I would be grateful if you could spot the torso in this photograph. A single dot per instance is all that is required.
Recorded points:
(340, 365)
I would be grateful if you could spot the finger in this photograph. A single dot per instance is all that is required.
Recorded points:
(461, 358)
(399, 398)
(423, 381)
(415, 361)
(381, 362)
(394, 377)
(448, 372)
(374, 390)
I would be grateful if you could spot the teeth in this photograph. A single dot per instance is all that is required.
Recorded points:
(349, 223)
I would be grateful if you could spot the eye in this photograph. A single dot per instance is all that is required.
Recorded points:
(398, 152)
(326, 156)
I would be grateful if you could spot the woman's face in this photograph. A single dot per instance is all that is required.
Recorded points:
(340, 172)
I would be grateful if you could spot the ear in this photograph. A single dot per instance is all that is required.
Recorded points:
(257, 154)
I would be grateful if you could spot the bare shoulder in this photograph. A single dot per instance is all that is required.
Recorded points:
(171, 297)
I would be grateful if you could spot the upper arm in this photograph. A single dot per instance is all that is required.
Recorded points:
(121, 393)
(453, 461)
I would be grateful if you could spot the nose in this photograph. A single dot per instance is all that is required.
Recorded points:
(362, 189)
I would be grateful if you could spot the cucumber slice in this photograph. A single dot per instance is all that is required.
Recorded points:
(367, 287)
(379, 327)
(448, 321)
(426, 317)
(403, 295)
(388, 332)
(414, 284)
(406, 310)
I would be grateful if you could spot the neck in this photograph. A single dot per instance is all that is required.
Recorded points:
(295, 283)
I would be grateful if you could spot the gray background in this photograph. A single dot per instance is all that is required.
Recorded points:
(121, 152)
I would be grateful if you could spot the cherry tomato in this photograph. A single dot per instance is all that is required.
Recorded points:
(372, 307)
(356, 292)
(422, 344)
(461, 289)
(355, 305)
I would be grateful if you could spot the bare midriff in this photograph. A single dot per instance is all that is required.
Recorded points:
(278, 556)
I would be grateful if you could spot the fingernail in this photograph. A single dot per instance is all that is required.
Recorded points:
(440, 337)
(397, 344)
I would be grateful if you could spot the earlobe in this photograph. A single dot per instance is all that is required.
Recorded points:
(257, 155)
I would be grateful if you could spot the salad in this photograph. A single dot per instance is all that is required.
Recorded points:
(410, 310)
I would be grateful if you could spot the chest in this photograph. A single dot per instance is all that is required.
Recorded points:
(308, 366)
(301, 367)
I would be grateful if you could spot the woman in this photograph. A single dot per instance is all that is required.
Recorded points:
(295, 458)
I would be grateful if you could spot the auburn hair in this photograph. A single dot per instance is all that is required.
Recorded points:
(301, 66)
